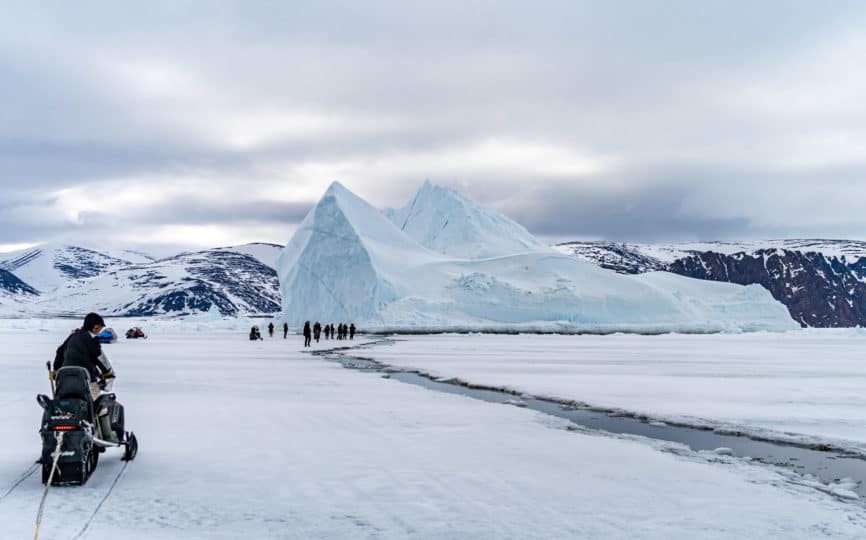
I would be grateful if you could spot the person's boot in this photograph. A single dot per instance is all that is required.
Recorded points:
(105, 427)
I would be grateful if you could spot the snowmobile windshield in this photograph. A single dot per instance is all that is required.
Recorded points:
(105, 362)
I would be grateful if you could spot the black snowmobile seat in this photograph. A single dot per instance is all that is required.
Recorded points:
(72, 382)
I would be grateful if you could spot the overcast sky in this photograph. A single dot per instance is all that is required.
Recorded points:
(216, 123)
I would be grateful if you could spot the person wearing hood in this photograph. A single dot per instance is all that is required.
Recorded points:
(308, 335)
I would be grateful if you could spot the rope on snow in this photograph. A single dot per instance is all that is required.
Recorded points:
(56, 455)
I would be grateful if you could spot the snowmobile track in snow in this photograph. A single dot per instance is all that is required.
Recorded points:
(80, 534)
(24, 476)
(83, 530)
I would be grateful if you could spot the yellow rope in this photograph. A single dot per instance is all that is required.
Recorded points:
(56, 455)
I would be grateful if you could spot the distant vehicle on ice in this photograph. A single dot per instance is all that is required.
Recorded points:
(108, 335)
(135, 333)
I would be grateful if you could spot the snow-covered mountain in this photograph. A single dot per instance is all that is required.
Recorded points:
(822, 282)
(51, 266)
(233, 283)
(348, 262)
(237, 280)
(445, 221)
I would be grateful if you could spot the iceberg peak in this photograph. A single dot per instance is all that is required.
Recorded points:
(337, 189)
(444, 220)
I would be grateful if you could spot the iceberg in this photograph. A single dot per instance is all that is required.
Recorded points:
(350, 262)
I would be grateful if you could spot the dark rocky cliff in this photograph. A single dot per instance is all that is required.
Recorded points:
(819, 291)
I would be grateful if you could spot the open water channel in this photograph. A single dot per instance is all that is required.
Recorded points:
(818, 466)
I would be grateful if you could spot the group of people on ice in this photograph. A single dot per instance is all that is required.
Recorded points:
(343, 331)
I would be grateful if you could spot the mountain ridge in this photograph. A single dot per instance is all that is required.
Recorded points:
(235, 280)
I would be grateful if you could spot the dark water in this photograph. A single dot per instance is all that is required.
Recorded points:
(827, 466)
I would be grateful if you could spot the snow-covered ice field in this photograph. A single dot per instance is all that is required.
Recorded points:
(259, 440)
(805, 385)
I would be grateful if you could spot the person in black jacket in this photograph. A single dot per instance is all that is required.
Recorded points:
(352, 331)
(82, 349)
(271, 329)
(285, 330)
(308, 335)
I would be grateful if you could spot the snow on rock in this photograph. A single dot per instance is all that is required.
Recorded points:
(234, 283)
(631, 258)
(51, 266)
(348, 262)
(11, 286)
(264, 252)
(445, 221)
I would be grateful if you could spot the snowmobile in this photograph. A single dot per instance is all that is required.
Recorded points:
(135, 333)
(108, 335)
(71, 419)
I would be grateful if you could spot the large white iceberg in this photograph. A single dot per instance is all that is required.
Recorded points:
(349, 262)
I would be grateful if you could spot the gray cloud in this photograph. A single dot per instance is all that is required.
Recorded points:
(641, 214)
(622, 120)
(190, 211)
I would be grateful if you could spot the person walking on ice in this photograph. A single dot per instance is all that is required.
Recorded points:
(271, 329)
(352, 331)
(307, 334)
(285, 330)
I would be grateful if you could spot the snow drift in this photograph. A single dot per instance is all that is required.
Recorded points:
(349, 262)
